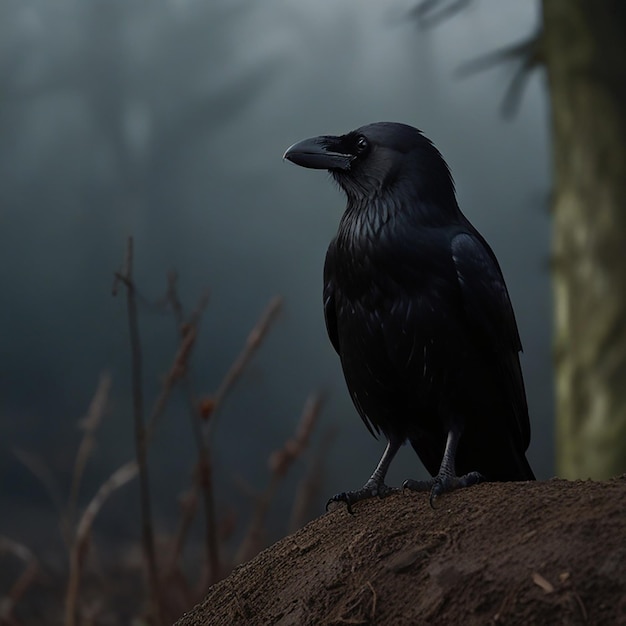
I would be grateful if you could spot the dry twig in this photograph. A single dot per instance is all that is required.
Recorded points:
(253, 342)
(203, 474)
(310, 486)
(280, 462)
(427, 15)
(208, 410)
(24, 580)
(79, 548)
(141, 433)
(89, 424)
(188, 504)
(527, 54)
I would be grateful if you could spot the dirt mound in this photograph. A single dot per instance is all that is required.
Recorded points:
(519, 553)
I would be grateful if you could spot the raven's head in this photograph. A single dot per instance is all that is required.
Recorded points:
(380, 159)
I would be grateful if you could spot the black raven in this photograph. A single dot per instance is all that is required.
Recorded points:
(418, 311)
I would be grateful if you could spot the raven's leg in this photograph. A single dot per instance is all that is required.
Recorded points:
(446, 480)
(375, 486)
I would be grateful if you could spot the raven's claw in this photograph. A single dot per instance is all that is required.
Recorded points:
(442, 484)
(371, 489)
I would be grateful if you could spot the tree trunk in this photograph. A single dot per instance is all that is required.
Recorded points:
(584, 44)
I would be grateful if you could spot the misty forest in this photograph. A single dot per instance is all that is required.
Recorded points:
(170, 404)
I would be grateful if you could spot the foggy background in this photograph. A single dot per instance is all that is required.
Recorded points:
(167, 121)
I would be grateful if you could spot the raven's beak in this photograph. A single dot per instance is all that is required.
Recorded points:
(319, 153)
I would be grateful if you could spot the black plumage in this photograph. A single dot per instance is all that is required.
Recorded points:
(417, 309)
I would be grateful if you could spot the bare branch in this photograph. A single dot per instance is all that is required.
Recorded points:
(141, 434)
(89, 424)
(119, 478)
(310, 487)
(253, 342)
(428, 17)
(176, 373)
(279, 462)
(188, 505)
(527, 53)
(203, 474)
(24, 580)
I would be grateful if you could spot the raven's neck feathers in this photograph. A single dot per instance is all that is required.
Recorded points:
(400, 200)
(419, 187)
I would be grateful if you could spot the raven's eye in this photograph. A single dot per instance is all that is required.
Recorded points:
(361, 145)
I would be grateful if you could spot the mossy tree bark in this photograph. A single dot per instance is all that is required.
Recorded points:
(584, 45)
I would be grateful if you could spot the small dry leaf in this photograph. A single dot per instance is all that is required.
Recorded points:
(404, 560)
(540, 581)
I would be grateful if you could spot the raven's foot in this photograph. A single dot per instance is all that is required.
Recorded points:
(442, 484)
(371, 489)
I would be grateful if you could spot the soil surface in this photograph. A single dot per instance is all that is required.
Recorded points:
(517, 553)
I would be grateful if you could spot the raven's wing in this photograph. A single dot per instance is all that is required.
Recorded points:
(330, 313)
(488, 309)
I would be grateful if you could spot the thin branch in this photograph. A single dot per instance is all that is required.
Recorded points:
(180, 365)
(204, 467)
(119, 478)
(24, 581)
(253, 342)
(175, 374)
(171, 298)
(89, 424)
(188, 505)
(528, 54)
(426, 15)
(203, 474)
(119, 277)
(141, 435)
(280, 462)
(310, 486)
(208, 410)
